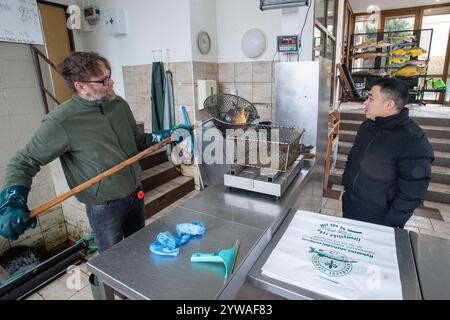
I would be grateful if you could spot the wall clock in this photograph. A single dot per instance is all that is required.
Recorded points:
(204, 42)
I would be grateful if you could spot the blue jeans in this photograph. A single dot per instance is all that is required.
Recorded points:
(116, 220)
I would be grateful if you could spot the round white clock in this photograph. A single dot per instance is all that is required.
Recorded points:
(204, 42)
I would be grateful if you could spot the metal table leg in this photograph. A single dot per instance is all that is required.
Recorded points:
(106, 292)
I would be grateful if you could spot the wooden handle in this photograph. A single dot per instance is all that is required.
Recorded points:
(103, 175)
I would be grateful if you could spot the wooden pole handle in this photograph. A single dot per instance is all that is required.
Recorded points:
(57, 200)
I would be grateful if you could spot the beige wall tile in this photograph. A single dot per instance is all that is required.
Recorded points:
(262, 71)
(264, 111)
(243, 72)
(143, 91)
(212, 71)
(51, 218)
(40, 194)
(25, 126)
(18, 74)
(185, 94)
(15, 51)
(226, 72)
(3, 102)
(184, 72)
(6, 128)
(261, 93)
(55, 236)
(23, 101)
(225, 87)
(35, 241)
(245, 90)
(199, 71)
(43, 177)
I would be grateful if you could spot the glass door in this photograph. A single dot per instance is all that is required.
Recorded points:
(439, 55)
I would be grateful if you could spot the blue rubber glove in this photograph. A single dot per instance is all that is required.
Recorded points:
(14, 213)
(159, 136)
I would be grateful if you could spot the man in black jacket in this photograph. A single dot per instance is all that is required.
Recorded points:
(389, 166)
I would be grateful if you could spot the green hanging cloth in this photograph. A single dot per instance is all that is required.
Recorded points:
(157, 96)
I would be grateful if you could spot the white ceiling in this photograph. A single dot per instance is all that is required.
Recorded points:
(362, 5)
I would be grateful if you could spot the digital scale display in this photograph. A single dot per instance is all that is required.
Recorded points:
(288, 43)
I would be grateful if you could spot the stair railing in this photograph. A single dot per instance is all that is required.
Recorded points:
(36, 53)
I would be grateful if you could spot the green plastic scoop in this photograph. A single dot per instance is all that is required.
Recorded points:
(225, 256)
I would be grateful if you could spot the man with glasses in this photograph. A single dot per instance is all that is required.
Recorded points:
(389, 166)
(90, 133)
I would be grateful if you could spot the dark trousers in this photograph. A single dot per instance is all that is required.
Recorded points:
(116, 220)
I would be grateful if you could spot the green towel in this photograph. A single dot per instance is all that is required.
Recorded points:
(157, 96)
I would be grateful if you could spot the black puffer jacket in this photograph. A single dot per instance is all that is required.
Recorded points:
(388, 171)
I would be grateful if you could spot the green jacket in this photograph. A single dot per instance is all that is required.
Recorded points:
(89, 137)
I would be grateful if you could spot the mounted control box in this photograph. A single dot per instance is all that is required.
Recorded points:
(288, 43)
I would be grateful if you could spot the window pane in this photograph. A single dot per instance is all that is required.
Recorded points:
(319, 43)
(440, 25)
(367, 23)
(331, 17)
(399, 23)
(320, 12)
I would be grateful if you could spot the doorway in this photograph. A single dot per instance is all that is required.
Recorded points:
(59, 42)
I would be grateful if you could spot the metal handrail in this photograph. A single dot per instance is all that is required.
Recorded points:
(44, 91)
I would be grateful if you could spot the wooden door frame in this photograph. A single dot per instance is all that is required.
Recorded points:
(70, 32)
(400, 12)
(347, 8)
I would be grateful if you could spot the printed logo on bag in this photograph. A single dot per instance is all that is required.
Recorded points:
(331, 263)
(336, 231)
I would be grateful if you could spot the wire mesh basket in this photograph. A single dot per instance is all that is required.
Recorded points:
(266, 146)
(230, 111)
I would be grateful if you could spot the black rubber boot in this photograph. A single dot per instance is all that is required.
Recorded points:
(95, 287)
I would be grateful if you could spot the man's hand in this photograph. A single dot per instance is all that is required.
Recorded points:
(14, 213)
(159, 136)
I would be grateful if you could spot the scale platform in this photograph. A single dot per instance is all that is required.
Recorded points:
(265, 181)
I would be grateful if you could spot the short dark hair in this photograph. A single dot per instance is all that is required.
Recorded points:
(393, 89)
(79, 66)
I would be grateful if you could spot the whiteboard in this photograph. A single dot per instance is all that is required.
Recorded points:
(19, 22)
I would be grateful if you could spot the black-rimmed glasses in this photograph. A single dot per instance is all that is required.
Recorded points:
(104, 81)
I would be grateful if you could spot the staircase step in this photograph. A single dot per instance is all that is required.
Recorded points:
(439, 174)
(437, 192)
(344, 147)
(441, 159)
(429, 121)
(154, 159)
(437, 132)
(440, 132)
(166, 194)
(442, 145)
(421, 121)
(158, 175)
(349, 125)
(353, 116)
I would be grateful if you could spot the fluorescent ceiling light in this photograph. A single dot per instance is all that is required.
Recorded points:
(281, 4)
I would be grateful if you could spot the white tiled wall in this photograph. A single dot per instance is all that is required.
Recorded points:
(21, 112)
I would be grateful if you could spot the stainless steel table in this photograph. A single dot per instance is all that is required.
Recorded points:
(432, 257)
(408, 274)
(130, 268)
